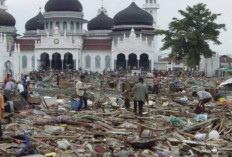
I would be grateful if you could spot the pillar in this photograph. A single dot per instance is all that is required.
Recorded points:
(137, 62)
(50, 64)
(115, 65)
(150, 65)
(74, 64)
(62, 62)
(126, 64)
(37, 64)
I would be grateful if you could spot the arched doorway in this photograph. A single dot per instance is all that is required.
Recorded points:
(8, 68)
(68, 61)
(87, 61)
(144, 62)
(133, 62)
(121, 61)
(44, 61)
(56, 61)
(107, 62)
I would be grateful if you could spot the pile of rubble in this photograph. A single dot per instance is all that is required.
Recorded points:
(168, 127)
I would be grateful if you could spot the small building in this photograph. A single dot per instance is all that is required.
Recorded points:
(225, 61)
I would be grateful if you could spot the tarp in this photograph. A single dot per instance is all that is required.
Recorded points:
(225, 69)
(227, 82)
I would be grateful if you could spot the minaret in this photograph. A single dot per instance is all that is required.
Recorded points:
(152, 7)
(3, 5)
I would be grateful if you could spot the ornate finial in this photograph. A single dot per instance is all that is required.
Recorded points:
(102, 9)
(102, 3)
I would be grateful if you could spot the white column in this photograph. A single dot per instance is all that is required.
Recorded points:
(113, 58)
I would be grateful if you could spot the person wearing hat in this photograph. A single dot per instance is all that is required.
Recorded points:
(140, 96)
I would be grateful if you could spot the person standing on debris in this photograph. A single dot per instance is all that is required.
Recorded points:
(156, 81)
(24, 81)
(1, 113)
(23, 94)
(58, 80)
(28, 81)
(39, 82)
(204, 97)
(81, 90)
(7, 79)
(9, 89)
(101, 77)
(140, 96)
(127, 99)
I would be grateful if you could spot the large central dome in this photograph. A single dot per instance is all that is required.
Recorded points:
(133, 15)
(63, 5)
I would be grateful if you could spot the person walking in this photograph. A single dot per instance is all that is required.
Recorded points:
(23, 94)
(140, 96)
(7, 79)
(81, 90)
(9, 89)
(156, 81)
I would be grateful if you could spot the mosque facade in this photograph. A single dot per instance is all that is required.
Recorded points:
(57, 40)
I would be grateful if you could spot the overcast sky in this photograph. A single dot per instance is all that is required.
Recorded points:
(23, 10)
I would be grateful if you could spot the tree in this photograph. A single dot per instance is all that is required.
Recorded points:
(189, 37)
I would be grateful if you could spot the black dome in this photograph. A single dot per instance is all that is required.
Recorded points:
(63, 5)
(35, 23)
(6, 19)
(133, 15)
(101, 22)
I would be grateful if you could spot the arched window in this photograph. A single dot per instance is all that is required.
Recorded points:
(33, 61)
(58, 25)
(72, 26)
(87, 62)
(107, 61)
(97, 61)
(51, 26)
(24, 62)
(77, 25)
(46, 25)
(64, 25)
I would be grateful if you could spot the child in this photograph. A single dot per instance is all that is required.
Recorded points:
(1, 113)
(127, 98)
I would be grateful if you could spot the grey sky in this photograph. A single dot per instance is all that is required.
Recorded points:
(23, 10)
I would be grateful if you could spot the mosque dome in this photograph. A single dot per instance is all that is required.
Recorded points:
(63, 5)
(101, 22)
(133, 15)
(35, 23)
(6, 19)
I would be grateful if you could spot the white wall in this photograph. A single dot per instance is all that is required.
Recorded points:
(210, 65)
(93, 55)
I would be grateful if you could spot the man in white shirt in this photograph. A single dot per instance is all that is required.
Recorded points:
(81, 89)
(28, 81)
(23, 94)
(204, 97)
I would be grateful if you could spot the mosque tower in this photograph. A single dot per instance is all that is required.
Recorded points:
(152, 7)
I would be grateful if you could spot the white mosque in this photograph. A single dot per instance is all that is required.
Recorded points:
(56, 39)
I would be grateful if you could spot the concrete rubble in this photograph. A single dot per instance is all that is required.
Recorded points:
(168, 127)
